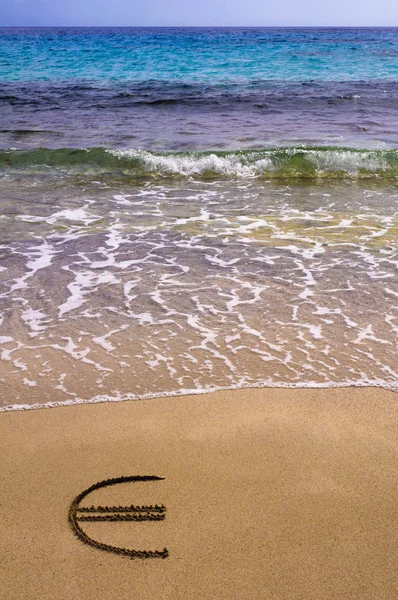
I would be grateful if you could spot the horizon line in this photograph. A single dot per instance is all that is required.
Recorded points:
(200, 26)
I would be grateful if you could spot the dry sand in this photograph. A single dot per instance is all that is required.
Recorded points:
(270, 494)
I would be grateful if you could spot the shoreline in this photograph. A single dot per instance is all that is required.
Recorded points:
(105, 399)
(270, 493)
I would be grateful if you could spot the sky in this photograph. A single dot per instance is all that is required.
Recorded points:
(198, 12)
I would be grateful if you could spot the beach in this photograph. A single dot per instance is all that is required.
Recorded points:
(198, 313)
(269, 493)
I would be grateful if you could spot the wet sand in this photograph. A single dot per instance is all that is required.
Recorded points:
(270, 494)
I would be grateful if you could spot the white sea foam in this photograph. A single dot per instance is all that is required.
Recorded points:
(254, 164)
(75, 215)
(188, 165)
(40, 257)
(348, 161)
(35, 320)
(83, 283)
(202, 286)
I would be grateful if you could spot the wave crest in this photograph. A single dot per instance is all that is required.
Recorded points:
(291, 162)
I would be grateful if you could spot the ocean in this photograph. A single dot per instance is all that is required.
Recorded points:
(185, 210)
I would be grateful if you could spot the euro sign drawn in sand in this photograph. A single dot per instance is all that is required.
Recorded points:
(101, 514)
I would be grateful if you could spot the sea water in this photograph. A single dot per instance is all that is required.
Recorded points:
(184, 210)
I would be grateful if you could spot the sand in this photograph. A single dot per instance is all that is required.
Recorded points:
(270, 494)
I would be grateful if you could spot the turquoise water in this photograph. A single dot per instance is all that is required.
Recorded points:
(198, 55)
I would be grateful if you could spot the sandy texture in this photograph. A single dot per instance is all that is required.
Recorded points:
(270, 494)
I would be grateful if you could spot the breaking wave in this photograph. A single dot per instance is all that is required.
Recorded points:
(286, 162)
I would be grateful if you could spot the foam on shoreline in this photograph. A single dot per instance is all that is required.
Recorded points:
(100, 399)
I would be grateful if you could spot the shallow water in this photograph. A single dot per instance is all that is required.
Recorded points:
(133, 289)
